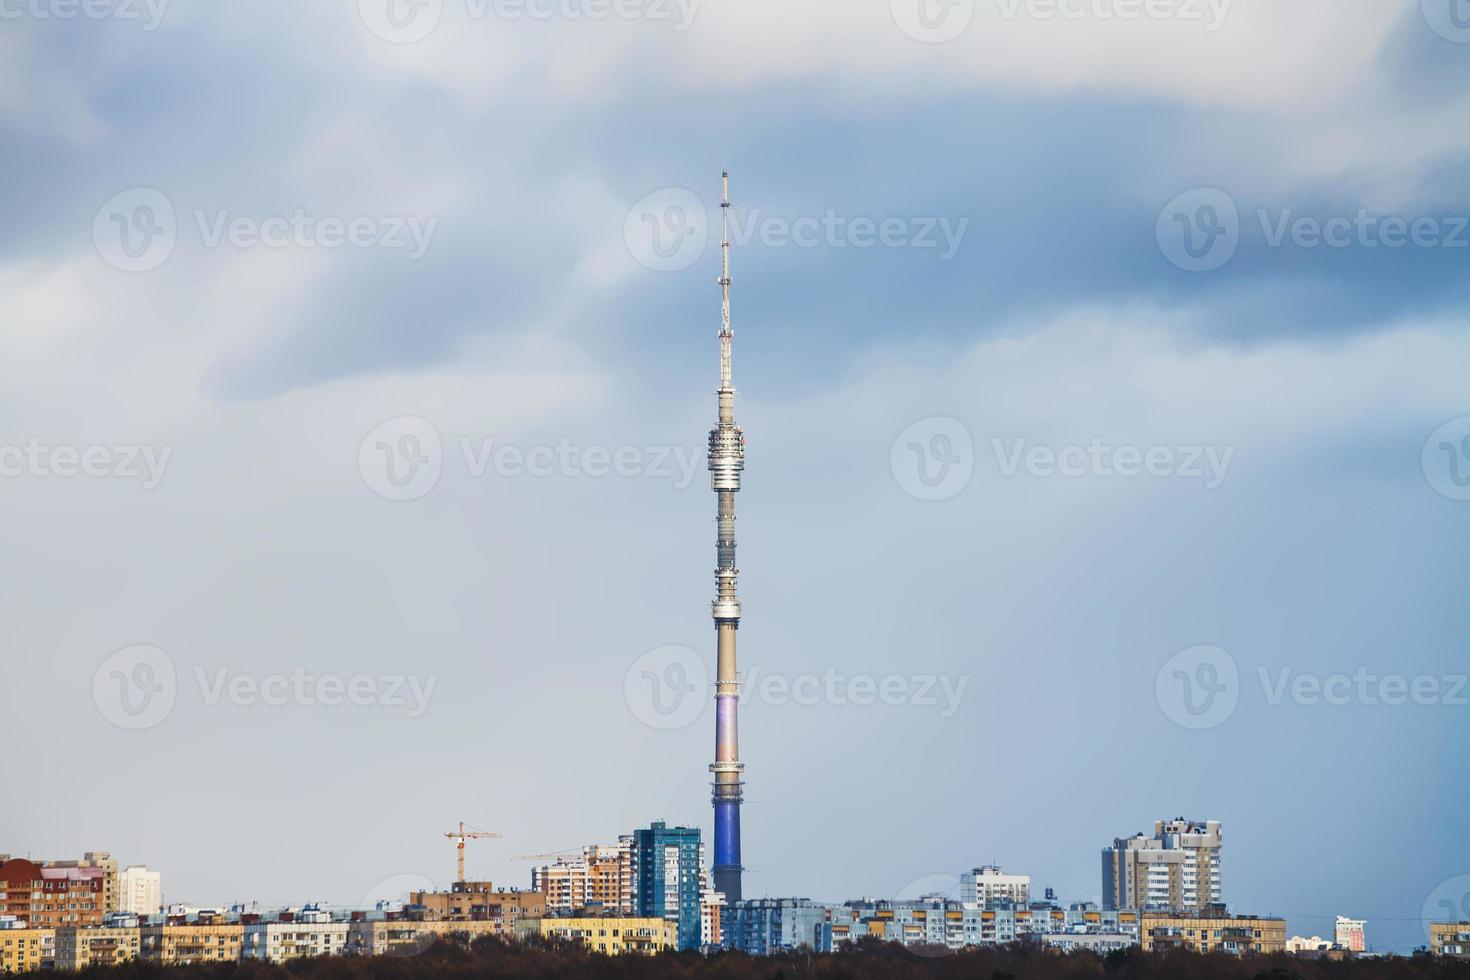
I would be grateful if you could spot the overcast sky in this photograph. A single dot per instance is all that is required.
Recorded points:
(1103, 368)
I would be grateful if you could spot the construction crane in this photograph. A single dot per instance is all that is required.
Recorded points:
(463, 834)
(553, 856)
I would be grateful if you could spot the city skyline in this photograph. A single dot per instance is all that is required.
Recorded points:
(1078, 432)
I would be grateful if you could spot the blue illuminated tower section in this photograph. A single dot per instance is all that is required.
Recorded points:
(726, 461)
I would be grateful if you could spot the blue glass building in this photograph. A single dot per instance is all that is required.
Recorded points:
(666, 868)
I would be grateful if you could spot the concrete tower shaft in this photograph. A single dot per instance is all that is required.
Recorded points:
(726, 463)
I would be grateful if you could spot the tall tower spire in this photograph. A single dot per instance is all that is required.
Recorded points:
(726, 461)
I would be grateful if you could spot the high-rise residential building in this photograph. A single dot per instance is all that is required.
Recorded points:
(1177, 869)
(1349, 934)
(711, 911)
(988, 885)
(50, 897)
(139, 890)
(601, 876)
(667, 864)
(94, 860)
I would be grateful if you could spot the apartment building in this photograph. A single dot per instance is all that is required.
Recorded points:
(1350, 934)
(668, 863)
(22, 948)
(601, 876)
(139, 890)
(614, 934)
(48, 897)
(1177, 869)
(938, 921)
(988, 885)
(78, 947)
(1239, 935)
(181, 940)
(293, 935)
(1450, 939)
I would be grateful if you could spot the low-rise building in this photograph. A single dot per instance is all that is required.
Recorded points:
(939, 921)
(293, 935)
(762, 926)
(78, 947)
(398, 936)
(202, 939)
(1238, 934)
(614, 934)
(1308, 944)
(22, 948)
(1450, 939)
(477, 901)
(1101, 943)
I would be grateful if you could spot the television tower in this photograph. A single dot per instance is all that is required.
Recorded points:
(726, 460)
